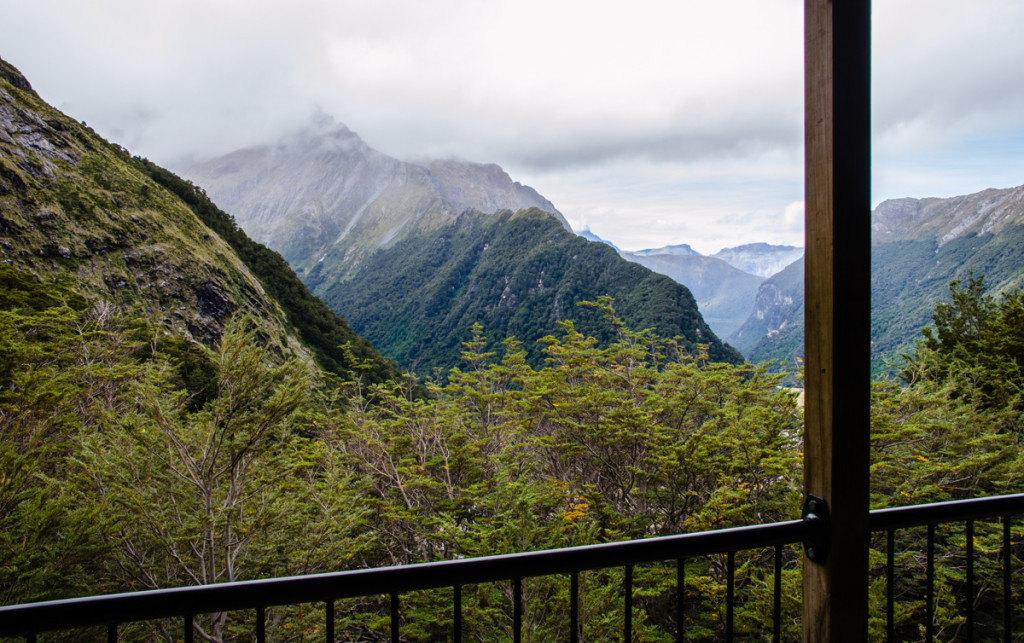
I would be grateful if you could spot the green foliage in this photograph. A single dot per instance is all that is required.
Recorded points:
(326, 334)
(130, 459)
(224, 493)
(952, 432)
(633, 439)
(977, 346)
(59, 368)
(907, 279)
(516, 274)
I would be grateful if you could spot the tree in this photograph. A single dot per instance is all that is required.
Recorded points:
(225, 493)
(977, 344)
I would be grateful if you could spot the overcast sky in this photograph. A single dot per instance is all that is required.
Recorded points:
(675, 121)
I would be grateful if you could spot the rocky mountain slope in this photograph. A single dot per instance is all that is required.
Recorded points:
(135, 239)
(724, 284)
(325, 199)
(761, 259)
(413, 254)
(918, 247)
(774, 329)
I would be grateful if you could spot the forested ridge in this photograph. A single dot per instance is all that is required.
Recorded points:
(514, 273)
(109, 481)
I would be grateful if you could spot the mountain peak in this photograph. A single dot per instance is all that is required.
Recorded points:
(325, 199)
(677, 249)
(761, 259)
(944, 220)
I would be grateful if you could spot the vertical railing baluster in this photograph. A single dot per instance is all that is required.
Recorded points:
(777, 597)
(329, 621)
(517, 610)
(627, 590)
(890, 585)
(680, 597)
(1007, 587)
(261, 624)
(730, 586)
(394, 617)
(929, 608)
(574, 607)
(969, 553)
(189, 628)
(457, 617)
(112, 633)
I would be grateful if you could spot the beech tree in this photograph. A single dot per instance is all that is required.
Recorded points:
(229, 492)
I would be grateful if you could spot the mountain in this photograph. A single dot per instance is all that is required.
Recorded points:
(724, 294)
(774, 329)
(724, 284)
(918, 247)
(326, 200)
(590, 236)
(761, 259)
(413, 254)
(516, 274)
(681, 249)
(135, 239)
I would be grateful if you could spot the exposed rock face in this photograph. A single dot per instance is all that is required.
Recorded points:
(944, 220)
(324, 199)
(918, 247)
(778, 306)
(70, 203)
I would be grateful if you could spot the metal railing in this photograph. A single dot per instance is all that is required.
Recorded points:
(930, 516)
(31, 619)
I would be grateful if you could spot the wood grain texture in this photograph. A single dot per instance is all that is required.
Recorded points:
(837, 309)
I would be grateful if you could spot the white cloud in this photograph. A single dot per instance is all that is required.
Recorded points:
(625, 115)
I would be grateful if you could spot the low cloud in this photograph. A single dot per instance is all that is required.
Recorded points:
(691, 112)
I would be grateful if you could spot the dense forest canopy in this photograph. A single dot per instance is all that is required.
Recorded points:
(133, 460)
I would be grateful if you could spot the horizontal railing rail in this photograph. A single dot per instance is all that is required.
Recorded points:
(33, 618)
(940, 513)
(28, 620)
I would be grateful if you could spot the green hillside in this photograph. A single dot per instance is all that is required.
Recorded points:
(133, 237)
(516, 275)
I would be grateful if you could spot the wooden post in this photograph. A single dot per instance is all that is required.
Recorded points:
(837, 310)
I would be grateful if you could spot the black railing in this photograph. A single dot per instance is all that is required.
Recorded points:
(930, 516)
(258, 595)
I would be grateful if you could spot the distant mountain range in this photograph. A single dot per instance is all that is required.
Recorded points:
(724, 284)
(413, 254)
(351, 220)
(918, 247)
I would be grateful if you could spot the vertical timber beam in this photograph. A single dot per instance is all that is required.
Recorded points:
(837, 59)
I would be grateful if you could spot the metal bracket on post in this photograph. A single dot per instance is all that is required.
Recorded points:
(816, 509)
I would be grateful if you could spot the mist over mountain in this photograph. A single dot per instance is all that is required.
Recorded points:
(324, 199)
(724, 294)
(135, 240)
(761, 259)
(590, 236)
(414, 253)
(682, 249)
(724, 284)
